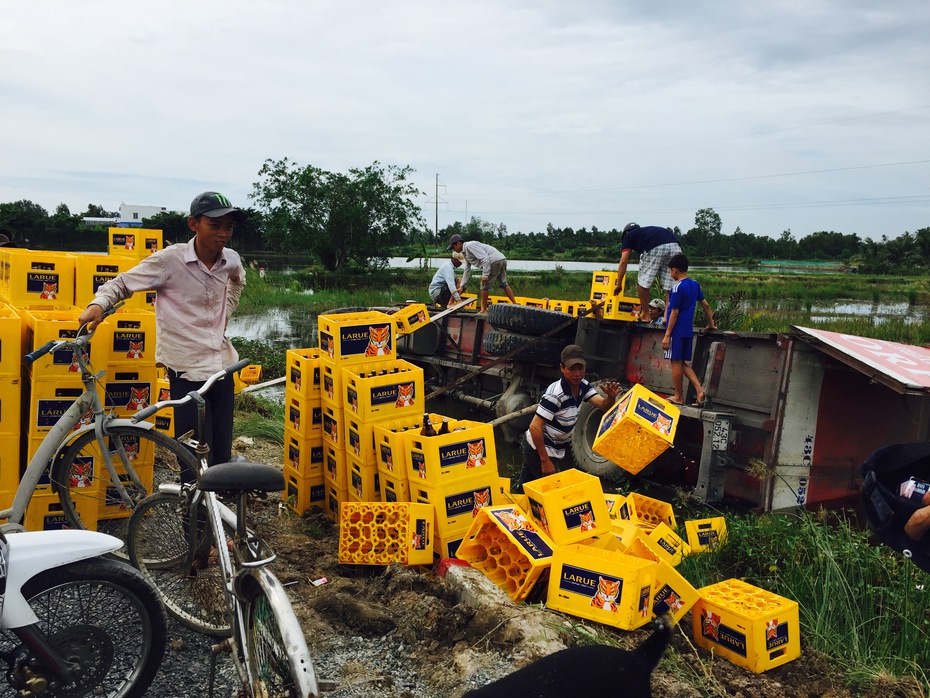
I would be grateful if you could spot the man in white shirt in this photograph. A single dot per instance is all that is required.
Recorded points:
(443, 287)
(198, 283)
(492, 263)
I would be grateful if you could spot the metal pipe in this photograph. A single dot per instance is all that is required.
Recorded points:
(487, 405)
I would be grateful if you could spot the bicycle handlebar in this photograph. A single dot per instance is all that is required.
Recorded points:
(81, 339)
(152, 409)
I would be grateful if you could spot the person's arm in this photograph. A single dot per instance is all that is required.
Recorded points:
(483, 258)
(603, 402)
(466, 275)
(621, 270)
(709, 313)
(536, 434)
(449, 275)
(234, 285)
(145, 276)
(672, 319)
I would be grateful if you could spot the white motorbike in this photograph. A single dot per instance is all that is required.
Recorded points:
(75, 623)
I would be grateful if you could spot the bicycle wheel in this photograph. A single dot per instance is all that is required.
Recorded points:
(103, 616)
(279, 661)
(180, 565)
(90, 500)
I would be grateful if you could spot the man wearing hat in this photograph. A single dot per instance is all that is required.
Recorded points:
(547, 444)
(492, 263)
(198, 283)
(443, 287)
(657, 312)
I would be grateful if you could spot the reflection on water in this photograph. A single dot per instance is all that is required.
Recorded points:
(291, 328)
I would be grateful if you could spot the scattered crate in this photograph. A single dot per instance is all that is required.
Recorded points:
(705, 535)
(751, 627)
(637, 429)
(376, 533)
(569, 506)
(411, 318)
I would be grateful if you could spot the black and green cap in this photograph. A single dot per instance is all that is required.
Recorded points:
(213, 205)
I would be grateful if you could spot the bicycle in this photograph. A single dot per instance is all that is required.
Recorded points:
(100, 465)
(211, 569)
(73, 623)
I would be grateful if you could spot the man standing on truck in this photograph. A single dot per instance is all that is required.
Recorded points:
(492, 263)
(655, 247)
(546, 446)
(198, 284)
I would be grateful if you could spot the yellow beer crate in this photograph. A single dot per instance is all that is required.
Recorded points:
(447, 546)
(569, 506)
(11, 341)
(705, 535)
(303, 415)
(533, 302)
(672, 548)
(91, 271)
(49, 399)
(650, 512)
(129, 337)
(467, 451)
(411, 318)
(303, 372)
(603, 282)
(334, 426)
(752, 627)
(129, 389)
(10, 408)
(360, 439)
(671, 593)
(363, 482)
(390, 443)
(331, 384)
(376, 533)
(335, 496)
(9, 460)
(383, 389)
(301, 493)
(164, 421)
(362, 337)
(508, 549)
(42, 325)
(458, 502)
(567, 307)
(36, 278)
(335, 465)
(304, 455)
(394, 488)
(637, 429)
(601, 585)
(136, 243)
(44, 512)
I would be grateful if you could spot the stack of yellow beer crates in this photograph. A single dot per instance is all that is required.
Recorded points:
(43, 294)
(303, 431)
(10, 400)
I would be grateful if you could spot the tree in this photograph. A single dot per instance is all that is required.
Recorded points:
(24, 221)
(62, 210)
(707, 226)
(340, 218)
(95, 211)
(173, 226)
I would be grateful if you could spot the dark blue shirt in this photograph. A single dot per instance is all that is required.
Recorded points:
(644, 239)
(684, 296)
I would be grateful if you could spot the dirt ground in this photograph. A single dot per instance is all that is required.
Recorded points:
(401, 632)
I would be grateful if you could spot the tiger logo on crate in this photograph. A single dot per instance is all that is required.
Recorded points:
(405, 395)
(379, 340)
(482, 499)
(49, 291)
(605, 598)
(475, 455)
(515, 521)
(81, 473)
(138, 398)
(135, 350)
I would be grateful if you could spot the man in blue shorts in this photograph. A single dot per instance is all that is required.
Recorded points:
(655, 246)
(685, 294)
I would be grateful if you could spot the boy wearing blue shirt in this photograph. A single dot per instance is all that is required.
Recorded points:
(684, 296)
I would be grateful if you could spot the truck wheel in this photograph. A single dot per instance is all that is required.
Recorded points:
(589, 421)
(544, 351)
(528, 320)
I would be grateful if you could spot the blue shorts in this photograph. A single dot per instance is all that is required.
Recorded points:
(679, 349)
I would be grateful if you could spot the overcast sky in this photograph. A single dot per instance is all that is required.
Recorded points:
(808, 114)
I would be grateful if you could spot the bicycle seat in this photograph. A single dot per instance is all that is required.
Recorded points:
(242, 476)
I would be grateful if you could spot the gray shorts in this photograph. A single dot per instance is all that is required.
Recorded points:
(499, 272)
(655, 263)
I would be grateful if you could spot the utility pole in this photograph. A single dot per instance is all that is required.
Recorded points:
(437, 208)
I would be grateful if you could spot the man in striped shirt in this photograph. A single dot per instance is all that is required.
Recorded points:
(547, 445)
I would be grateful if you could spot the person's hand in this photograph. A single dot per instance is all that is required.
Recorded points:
(92, 316)
(618, 286)
(917, 525)
(546, 465)
(666, 342)
(611, 389)
(484, 281)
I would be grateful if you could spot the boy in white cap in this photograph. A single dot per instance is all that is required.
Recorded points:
(198, 283)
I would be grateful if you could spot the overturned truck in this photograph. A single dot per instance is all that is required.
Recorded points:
(809, 404)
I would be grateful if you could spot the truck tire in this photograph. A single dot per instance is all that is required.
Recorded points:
(528, 320)
(544, 351)
(589, 421)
